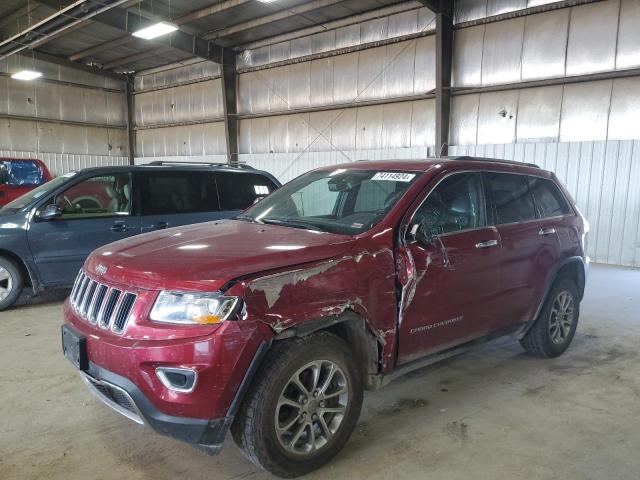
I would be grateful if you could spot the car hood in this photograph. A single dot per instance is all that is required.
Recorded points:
(206, 256)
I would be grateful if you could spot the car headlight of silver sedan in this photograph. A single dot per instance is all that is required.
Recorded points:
(191, 308)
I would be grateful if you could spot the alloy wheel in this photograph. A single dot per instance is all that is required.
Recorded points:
(6, 283)
(561, 317)
(311, 407)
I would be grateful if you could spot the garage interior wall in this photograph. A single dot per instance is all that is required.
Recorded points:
(179, 114)
(71, 120)
(363, 88)
(586, 131)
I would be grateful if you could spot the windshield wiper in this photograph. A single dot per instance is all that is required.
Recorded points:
(245, 218)
(287, 222)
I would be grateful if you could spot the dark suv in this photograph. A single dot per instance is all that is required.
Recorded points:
(47, 234)
(272, 324)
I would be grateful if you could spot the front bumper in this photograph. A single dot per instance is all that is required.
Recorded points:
(126, 398)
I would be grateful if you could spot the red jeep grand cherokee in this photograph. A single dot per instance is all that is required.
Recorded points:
(272, 324)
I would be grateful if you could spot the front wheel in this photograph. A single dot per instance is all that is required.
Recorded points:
(554, 329)
(11, 283)
(302, 408)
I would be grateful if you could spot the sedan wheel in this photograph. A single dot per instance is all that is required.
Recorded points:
(6, 284)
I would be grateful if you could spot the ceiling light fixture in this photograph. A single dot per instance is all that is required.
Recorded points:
(156, 30)
(26, 75)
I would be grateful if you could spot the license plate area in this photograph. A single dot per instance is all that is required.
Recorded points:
(74, 347)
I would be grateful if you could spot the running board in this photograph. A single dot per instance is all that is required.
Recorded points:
(383, 379)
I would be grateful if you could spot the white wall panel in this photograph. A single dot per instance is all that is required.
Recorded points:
(628, 54)
(417, 20)
(394, 70)
(538, 116)
(497, 117)
(464, 119)
(592, 38)
(502, 52)
(467, 57)
(380, 127)
(585, 111)
(545, 37)
(624, 119)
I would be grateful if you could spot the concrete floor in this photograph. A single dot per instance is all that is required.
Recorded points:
(494, 413)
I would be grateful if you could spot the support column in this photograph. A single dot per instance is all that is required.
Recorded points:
(131, 133)
(444, 56)
(229, 96)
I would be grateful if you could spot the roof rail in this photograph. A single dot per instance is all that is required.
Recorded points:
(159, 163)
(496, 160)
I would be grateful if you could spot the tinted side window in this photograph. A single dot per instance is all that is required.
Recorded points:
(511, 200)
(103, 196)
(549, 199)
(165, 193)
(455, 204)
(238, 190)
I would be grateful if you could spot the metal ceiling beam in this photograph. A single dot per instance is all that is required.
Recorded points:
(267, 19)
(129, 22)
(87, 52)
(437, 6)
(208, 11)
(133, 58)
(63, 19)
(47, 57)
(16, 14)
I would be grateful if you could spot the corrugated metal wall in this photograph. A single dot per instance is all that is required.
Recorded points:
(599, 37)
(71, 120)
(603, 178)
(178, 114)
(362, 88)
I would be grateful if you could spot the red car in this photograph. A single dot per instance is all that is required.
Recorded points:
(20, 175)
(273, 323)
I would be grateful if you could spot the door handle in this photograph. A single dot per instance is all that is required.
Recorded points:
(547, 231)
(119, 228)
(487, 244)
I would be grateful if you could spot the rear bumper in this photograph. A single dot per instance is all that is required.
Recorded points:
(126, 398)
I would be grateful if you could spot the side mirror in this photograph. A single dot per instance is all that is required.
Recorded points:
(50, 212)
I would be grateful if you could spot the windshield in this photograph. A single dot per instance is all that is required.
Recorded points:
(340, 201)
(31, 196)
(21, 173)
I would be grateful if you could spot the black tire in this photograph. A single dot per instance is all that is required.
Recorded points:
(14, 282)
(540, 339)
(254, 429)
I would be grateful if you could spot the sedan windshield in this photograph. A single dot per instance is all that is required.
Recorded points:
(340, 201)
(31, 196)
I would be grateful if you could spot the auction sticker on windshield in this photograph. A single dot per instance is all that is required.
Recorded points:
(394, 176)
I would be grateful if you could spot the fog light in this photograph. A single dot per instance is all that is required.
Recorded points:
(181, 380)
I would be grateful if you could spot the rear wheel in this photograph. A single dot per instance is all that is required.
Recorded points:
(11, 283)
(554, 329)
(302, 408)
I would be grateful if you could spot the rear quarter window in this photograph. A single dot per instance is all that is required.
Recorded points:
(549, 199)
(510, 197)
(239, 190)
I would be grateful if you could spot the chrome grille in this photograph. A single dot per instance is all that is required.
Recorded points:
(100, 304)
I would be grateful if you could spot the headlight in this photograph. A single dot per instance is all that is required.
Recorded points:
(193, 308)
